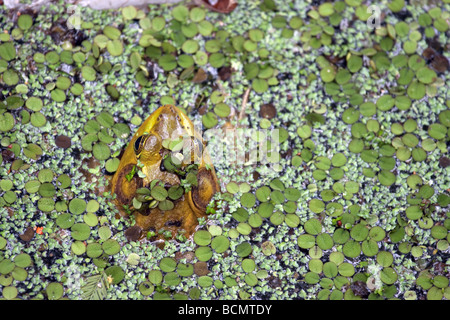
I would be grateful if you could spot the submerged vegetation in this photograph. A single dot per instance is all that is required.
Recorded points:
(353, 205)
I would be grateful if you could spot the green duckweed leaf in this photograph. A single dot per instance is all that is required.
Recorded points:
(328, 74)
(25, 21)
(426, 75)
(65, 220)
(180, 13)
(185, 269)
(244, 249)
(37, 119)
(248, 200)
(116, 273)
(439, 232)
(9, 292)
(159, 193)
(6, 266)
(291, 219)
(205, 28)
(416, 90)
(3, 243)
(350, 115)
(46, 204)
(385, 102)
(94, 250)
(22, 260)
(437, 131)
(386, 177)
(54, 291)
(354, 63)
(7, 51)
(112, 32)
(189, 30)
(112, 165)
(260, 85)
(244, 228)
(114, 47)
(80, 231)
(203, 253)
(220, 244)
(197, 14)
(205, 281)
(313, 226)
(47, 189)
(324, 241)
(78, 248)
(7, 122)
(277, 218)
(77, 206)
(129, 12)
(111, 247)
(368, 109)
(385, 258)
(414, 212)
(209, 120)
(444, 118)
(63, 181)
(316, 205)
(306, 241)
(19, 274)
(388, 275)
(90, 219)
(202, 238)
(359, 232)
(88, 73)
(34, 103)
(292, 194)
(338, 160)
(351, 249)
(104, 232)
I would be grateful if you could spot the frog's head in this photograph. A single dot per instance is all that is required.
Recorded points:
(143, 161)
(167, 122)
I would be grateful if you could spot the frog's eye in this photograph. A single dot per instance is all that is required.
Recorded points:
(139, 143)
(147, 145)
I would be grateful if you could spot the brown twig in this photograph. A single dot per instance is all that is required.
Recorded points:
(244, 104)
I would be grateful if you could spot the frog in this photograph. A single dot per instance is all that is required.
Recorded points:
(153, 159)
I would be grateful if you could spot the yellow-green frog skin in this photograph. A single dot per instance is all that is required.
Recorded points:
(146, 146)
